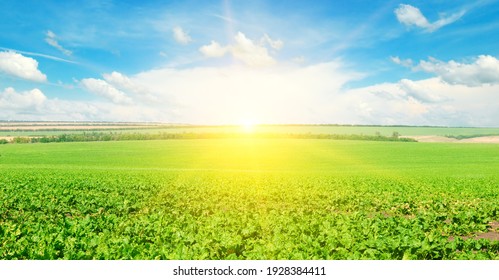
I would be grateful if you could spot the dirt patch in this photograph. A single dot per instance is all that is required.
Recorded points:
(431, 139)
(8, 138)
(491, 235)
(494, 225)
(443, 139)
(483, 139)
(390, 215)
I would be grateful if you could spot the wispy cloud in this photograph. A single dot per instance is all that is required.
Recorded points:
(214, 49)
(275, 44)
(299, 59)
(403, 62)
(228, 19)
(412, 16)
(244, 50)
(181, 36)
(40, 55)
(51, 40)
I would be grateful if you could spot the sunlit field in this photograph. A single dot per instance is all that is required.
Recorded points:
(249, 198)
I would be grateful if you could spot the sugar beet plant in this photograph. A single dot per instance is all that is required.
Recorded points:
(145, 214)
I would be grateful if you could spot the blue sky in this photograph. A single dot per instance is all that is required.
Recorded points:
(226, 62)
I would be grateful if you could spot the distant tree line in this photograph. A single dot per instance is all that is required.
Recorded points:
(461, 137)
(114, 136)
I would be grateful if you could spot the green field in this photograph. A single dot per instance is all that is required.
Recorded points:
(248, 199)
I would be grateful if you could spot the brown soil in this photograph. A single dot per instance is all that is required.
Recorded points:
(492, 234)
(443, 139)
(431, 138)
(484, 139)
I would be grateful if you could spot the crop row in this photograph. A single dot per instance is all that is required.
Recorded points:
(72, 214)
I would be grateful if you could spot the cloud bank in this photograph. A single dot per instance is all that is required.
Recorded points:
(28, 100)
(459, 94)
(236, 93)
(484, 70)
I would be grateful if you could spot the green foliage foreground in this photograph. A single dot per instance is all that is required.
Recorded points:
(248, 199)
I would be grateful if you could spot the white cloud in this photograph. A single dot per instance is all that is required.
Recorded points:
(181, 36)
(104, 89)
(28, 100)
(122, 82)
(420, 91)
(244, 50)
(40, 55)
(409, 15)
(403, 62)
(213, 50)
(21, 66)
(484, 70)
(125, 84)
(275, 44)
(412, 16)
(51, 40)
(250, 53)
(117, 78)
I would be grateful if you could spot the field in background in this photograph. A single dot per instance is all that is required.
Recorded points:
(249, 199)
(13, 129)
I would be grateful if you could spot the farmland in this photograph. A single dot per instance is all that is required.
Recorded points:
(249, 198)
(12, 129)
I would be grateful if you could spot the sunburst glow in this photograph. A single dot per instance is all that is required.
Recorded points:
(248, 126)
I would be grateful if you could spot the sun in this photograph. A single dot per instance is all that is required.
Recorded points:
(248, 126)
